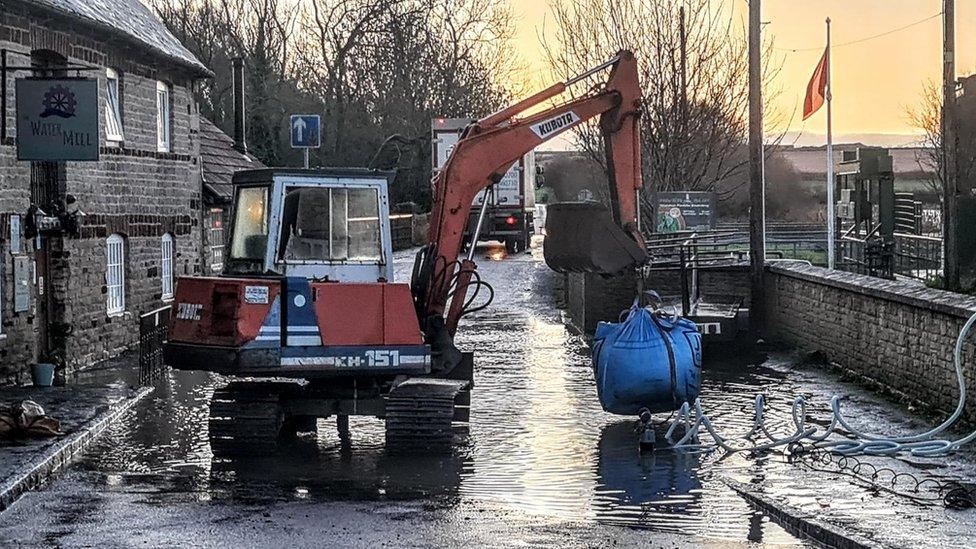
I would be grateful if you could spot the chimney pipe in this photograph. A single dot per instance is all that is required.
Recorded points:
(240, 141)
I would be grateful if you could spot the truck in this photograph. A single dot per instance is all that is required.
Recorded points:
(307, 319)
(509, 216)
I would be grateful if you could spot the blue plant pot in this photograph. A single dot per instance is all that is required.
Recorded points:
(42, 374)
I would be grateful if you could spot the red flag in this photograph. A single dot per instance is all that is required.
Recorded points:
(817, 88)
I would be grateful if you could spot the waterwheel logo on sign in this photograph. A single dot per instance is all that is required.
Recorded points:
(59, 101)
(57, 119)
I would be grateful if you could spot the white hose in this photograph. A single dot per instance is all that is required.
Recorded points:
(922, 444)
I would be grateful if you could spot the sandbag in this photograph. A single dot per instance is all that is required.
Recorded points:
(650, 360)
(27, 419)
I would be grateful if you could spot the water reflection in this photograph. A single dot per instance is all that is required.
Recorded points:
(539, 442)
(309, 470)
(641, 488)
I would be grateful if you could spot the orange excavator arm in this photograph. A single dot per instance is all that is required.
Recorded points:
(490, 146)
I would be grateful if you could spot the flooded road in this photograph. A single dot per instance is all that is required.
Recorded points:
(542, 464)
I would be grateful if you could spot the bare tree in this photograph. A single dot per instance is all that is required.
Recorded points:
(694, 113)
(372, 68)
(927, 116)
(260, 32)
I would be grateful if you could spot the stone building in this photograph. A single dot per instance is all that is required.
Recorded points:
(77, 294)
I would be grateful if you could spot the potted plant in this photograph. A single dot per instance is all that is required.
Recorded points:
(42, 373)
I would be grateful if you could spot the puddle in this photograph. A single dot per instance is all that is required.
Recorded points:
(538, 442)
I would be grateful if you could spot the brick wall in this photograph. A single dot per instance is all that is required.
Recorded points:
(899, 335)
(133, 189)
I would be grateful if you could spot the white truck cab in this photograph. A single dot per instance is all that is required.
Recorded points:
(319, 224)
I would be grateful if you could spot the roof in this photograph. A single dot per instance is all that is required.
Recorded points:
(810, 161)
(220, 160)
(131, 19)
(262, 176)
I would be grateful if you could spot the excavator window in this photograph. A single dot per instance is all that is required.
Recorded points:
(250, 237)
(329, 224)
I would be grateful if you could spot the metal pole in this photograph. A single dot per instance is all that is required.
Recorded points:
(831, 214)
(486, 197)
(305, 152)
(685, 292)
(950, 218)
(3, 95)
(757, 250)
(683, 105)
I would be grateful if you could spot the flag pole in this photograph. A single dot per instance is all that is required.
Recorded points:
(830, 163)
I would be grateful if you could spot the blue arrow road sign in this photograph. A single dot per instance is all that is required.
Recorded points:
(305, 131)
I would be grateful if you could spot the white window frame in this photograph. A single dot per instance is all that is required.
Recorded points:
(115, 274)
(163, 129)
(217, 240)
(114, 131)
(167, 243)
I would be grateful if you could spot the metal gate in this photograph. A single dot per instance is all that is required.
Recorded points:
(153, 330)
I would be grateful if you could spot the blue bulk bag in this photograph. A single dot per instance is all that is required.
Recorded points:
(649, 360)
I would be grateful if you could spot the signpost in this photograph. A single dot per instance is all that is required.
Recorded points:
(306, 133)
(57, 119)
(684, 211)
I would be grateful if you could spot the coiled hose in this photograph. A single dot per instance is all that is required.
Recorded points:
(922, 444)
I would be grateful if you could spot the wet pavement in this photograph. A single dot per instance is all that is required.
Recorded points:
(542, 465)
(81, 410)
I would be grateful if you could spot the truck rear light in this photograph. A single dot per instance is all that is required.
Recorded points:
(511, 220)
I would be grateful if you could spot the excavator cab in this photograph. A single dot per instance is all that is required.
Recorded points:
(325, 225)
(582, 237)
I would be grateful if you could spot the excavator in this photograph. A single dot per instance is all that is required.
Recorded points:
(306, 316)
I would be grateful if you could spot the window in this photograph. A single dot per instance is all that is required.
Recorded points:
(115, 274)
(216, 240)
(250, 237)
(162, 117)
(166, 266)
(113, 107)
(330, 223)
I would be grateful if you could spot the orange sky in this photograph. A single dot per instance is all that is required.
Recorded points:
(874, 81)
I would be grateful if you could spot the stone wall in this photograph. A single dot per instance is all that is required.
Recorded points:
(899, 335)
(134, 190)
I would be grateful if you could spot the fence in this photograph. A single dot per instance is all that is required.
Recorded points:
(912, 256)
(153, 330)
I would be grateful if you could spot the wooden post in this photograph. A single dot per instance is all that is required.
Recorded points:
(950, 190)
(757, 248)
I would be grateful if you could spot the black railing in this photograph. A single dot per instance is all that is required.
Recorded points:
(908, 255)
(153, 330)
(687, 253)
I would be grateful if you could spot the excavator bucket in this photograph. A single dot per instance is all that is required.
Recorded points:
(581, 237)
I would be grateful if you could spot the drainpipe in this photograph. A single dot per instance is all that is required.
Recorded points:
(240, 141)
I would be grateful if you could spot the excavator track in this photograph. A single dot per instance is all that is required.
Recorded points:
(246, 419)
(420, 414)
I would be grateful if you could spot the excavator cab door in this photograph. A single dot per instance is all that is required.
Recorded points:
(582, 237)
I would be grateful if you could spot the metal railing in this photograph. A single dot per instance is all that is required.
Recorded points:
(911, 256)
(153, 331)
(687, 253)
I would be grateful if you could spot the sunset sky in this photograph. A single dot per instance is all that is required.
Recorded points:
(874, 82)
